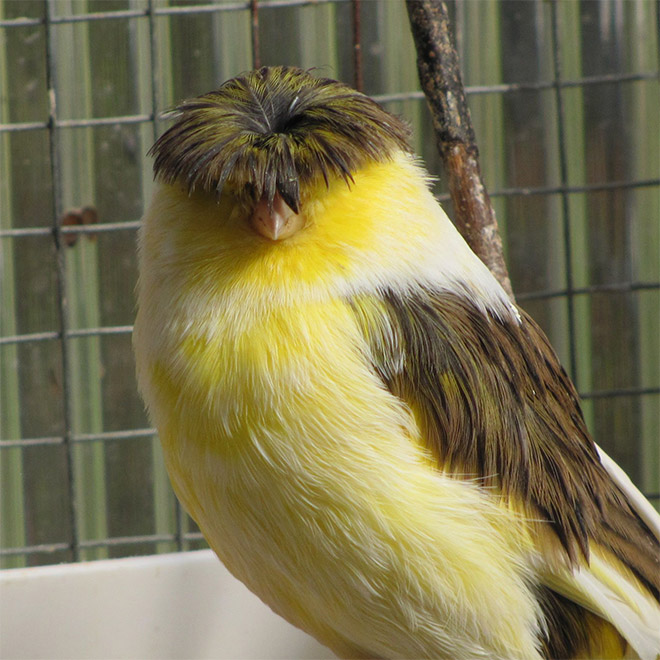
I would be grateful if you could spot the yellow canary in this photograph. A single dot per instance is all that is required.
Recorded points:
(369, 433)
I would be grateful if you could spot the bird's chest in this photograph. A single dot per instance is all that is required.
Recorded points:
(238, 377)
(252, 434)
(242, 423)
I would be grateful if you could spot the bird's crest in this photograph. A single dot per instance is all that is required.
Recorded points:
(274, 129)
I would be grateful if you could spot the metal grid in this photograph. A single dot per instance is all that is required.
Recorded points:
(182, 536)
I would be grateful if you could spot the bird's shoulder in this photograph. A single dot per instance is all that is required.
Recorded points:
(493, 403)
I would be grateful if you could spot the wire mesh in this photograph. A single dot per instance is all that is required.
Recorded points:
(564, 97)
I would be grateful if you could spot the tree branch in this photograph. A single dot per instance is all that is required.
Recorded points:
(440, 76)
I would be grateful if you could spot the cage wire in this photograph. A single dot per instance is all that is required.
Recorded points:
(564, 99)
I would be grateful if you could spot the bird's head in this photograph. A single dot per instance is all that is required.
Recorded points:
(295, 186)
(269, 137)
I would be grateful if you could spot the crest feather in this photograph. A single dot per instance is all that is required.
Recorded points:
(273, 130)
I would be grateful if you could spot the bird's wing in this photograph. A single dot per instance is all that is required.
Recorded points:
(607, 592)
(493, 402)
(603, 590)
(639, 503)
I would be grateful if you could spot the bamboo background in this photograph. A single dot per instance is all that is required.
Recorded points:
(564, 96)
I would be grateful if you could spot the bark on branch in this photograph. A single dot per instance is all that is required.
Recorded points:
(440, 76)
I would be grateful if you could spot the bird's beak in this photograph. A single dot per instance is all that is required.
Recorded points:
(275, 220)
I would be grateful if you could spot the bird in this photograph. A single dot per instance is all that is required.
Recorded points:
(371, 435)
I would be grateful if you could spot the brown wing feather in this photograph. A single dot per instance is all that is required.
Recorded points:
(494, 402)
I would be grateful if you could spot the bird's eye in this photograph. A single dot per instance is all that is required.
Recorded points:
(250, 190)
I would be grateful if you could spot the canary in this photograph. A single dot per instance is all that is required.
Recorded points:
(370, 434)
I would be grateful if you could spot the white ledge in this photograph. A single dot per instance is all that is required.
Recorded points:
(183, 605)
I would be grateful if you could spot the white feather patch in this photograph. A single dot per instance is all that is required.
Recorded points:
(640, 504)
(602, 590)
(632, 613)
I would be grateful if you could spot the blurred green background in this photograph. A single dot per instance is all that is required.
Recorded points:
(564, 97)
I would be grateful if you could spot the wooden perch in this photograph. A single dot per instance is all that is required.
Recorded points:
(440, 76)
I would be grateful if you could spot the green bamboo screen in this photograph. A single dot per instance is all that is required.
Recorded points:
(564, 97)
